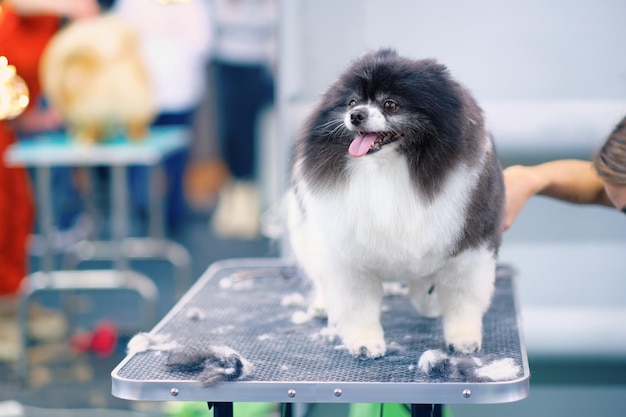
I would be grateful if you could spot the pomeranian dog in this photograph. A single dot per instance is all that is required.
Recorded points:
(395, 177)
(93, 74)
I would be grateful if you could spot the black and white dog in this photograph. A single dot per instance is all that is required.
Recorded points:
(395, 176)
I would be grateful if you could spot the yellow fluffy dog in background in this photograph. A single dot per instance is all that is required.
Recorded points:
(93, 74)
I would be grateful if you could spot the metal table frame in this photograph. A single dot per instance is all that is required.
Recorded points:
(57, 149)
(424, 396)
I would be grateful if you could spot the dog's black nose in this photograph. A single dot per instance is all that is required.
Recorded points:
(358, 116)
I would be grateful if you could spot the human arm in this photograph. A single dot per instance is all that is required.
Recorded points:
(37, 120)
(568, 180)
(74, 9)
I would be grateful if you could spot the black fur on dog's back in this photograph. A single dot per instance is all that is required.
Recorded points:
(443, 127)
(483, 219)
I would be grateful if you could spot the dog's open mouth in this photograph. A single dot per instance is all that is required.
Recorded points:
(370, 142)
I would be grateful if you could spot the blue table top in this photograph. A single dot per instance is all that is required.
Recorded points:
(58, 149)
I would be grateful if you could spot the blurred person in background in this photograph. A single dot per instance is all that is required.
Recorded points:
(175, 40)
(243, 72)
(601, 181)
(25, 28)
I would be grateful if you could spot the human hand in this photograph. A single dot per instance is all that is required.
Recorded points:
(520, 183)
(78, 9)
(37, 120)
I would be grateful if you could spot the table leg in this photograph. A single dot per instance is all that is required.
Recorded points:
(89, 198)
(45, 215)
(221, 409)
(22, 316)
(119, 213)
(286, 410)
(426, 410)
(156, 203)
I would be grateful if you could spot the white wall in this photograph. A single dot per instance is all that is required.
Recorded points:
(550, 74)
(535, 49)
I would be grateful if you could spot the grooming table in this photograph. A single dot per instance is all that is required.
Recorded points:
(57, 149)
(255, 306)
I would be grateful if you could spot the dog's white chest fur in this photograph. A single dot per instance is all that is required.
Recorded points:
(380, 223)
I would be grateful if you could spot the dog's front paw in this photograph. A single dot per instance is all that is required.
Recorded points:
(366, 348)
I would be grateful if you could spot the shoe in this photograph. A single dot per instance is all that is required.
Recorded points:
(238, 211)
(45, 324)
(9, 340)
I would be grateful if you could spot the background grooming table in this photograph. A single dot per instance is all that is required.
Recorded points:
(248, 305)
(58, 149)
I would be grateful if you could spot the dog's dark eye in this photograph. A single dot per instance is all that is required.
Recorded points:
(352, 103)
(391, 106)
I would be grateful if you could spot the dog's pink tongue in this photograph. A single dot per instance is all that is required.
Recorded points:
(361, 144)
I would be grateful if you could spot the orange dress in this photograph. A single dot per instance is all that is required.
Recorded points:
(22, 40)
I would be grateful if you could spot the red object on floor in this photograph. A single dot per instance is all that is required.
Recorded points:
(102, 340)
